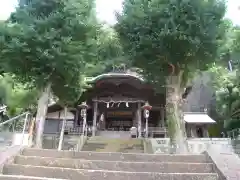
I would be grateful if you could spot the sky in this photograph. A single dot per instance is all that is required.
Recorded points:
(106, 9)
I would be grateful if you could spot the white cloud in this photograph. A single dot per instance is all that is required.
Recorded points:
(233, 12)
(6, 7)
(106, 9)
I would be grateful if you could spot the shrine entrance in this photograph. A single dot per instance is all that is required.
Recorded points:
(116, 99)
(119, 120)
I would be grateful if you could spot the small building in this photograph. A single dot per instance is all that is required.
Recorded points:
(197, 124)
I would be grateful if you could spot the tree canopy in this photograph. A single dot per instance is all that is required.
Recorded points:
(170, 40)
(47, 43)
(47, 40)
(181, 34)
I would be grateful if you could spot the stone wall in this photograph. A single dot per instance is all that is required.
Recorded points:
(196, 145)
(10, 138)
(201, 95)
(70, 142)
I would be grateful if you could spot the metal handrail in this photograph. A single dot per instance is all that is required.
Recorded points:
(26, 114)
(12, 119)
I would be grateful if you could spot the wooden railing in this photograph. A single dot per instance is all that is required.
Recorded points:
(152, 131)
(76, 130)
(157, 129)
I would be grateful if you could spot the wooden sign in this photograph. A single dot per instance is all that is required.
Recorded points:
(119, 113)
(121, 68)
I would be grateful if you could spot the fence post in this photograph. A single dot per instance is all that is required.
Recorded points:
(63, 129)
(24, 127)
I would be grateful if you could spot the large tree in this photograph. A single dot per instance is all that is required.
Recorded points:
(169, 40)
(47, 40)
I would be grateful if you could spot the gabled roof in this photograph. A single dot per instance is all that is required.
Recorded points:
(198, 118)
(130, 74)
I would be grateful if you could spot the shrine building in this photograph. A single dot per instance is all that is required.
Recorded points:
(114, 107)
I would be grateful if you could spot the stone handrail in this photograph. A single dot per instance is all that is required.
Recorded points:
(196, 145)
(226, 161)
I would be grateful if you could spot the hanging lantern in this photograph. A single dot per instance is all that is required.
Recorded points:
(147, 106)
(83, 105)
(146, 113)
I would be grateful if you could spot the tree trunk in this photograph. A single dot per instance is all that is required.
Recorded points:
(63, 129)
(174, 111)
(41, 115)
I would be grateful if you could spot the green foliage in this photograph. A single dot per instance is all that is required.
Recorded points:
(184, 33)
(70, 92)
(169, 40)
(227, 87)
(109, 46)
(50, 41)
(235, 49)
(16, 96)
(226, 83)
(109, 51)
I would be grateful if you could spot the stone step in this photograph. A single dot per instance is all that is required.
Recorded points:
(93, 146)
(199, 158)
(114, 145)
(76, 174)
(115, 141)
(112, 148)
(116, 165)
(19, 177)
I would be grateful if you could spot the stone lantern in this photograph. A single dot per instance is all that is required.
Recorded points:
(83, 106)
(146, 107)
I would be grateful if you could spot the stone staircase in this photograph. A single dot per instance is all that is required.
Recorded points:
(103, 144)
(39, 164)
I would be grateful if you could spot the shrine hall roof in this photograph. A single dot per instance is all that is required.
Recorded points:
(198, 117)
(107, 75)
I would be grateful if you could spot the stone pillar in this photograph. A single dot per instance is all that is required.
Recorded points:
(95, 106)
(135, 123)
(139, 119)
(84, 116)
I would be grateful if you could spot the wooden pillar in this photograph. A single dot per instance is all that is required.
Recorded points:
(139, 119)
(76, 117)
(146, 128)
(95, 106)
(103, 121)
(162, 117)
(193, 131)
(205, 129)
